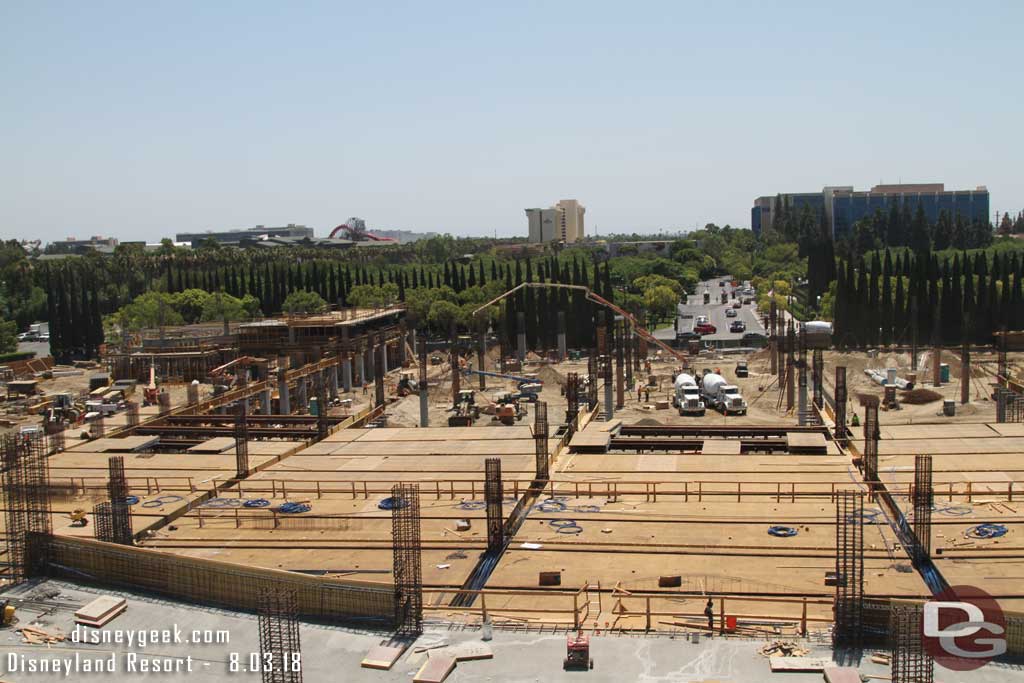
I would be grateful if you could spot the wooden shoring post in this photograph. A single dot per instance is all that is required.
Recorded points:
(803, 619)
(721, 616)
(648, 626)
(199, 516)
(576, 610)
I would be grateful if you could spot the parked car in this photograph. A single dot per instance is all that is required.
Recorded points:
(754, 339)
(705, 328)
(730, 313)
(736, 304)
(701, 319)
(737, 326)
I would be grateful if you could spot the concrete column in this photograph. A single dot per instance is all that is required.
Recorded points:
(413, 341)
(402, 340)
(265, 402)
(562, 353)
(424, 406)
(302, 396)
(368, 362)
(521, 348)
(332, 382)
(283, 397)
(361, 368)
(481, 355)
(346, 373)
(609, 397)
(802, 397)
(384, 357)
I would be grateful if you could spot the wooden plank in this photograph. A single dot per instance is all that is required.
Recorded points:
(217, 444)
(805, 439)
(721, 447)
(101, 610)
(381, 657)
(435, 669)
(841, 674)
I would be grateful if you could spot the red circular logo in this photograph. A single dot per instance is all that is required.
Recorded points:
(963, 628)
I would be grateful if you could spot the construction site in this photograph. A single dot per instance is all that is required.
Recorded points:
(794, 504)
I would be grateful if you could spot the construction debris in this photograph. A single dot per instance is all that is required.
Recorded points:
(37, 636)
(783, 648)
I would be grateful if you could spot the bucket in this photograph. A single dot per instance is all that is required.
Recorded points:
(944, 372)
(730, 623)
(890, 376)
(949, 408)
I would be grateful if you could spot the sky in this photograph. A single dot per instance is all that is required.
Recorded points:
(143, 119)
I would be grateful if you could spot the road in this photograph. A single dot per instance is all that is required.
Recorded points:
(715, 312)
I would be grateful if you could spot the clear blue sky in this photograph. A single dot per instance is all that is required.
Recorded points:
(140, 119)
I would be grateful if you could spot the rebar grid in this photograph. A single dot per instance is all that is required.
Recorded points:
(540, 439)
(871, 434)
(280, 648)
(132, 412)
(408, 571)
(192, 394)
(241, 441)
(117, 485)
(97, 428)
(422, 343)
(910, 662)
(1009, 405)
(493, 498)
(840, 405)
(849, 601)
(923, 499)
(572, 401)
(592, 380)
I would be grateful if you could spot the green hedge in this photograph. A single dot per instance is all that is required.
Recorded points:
(17, 355)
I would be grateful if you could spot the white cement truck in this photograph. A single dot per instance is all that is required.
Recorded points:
(722, 396)
(687, 396)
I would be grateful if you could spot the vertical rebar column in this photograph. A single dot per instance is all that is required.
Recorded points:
(453, 357)
(592, 380)
(923, 499)
(636, 353)
(849, 599)
(323, 427)
(620, 380)
(408, 569)
(25, 484)
(120, 525)
(773, 337)
(911, 663)
(97, 427)
(241, 441)
(422, 386)
(521, 346)
(841, 399)
(280, 647)
(1000, 394)
(965, 370)
(871, 434)
(493, 498)
(192, 392)
(790, 367)
(481, 359)
(117, 484)
(379, 370)
(562, 351)
(572, 401)
(937, 358)
(540, 440)
(802, 379)
(818, 378)
(605, 361)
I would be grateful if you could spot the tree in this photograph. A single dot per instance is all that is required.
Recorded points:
(943, 233)
(224, 307)
(303, 301)
(660, 302)
(1005, 225)
(190, 304)
(443, 314)
(8, 336)
(920, 241)
(149, 310)
(642, 284)
(373, 296)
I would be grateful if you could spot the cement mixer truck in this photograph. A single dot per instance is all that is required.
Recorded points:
(687, 396)
(722, 396)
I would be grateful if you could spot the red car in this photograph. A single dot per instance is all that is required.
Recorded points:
(705, 328)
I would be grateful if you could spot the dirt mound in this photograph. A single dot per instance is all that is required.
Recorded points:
(648, 422)
(916, 397)
(550, 376)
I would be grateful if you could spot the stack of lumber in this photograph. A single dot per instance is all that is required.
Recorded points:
(100, 611)
(37, 636)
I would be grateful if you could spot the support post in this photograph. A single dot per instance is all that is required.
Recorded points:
(562, 352)
(424, 405)
(521, 346)
(493, 499)
(923, 497)
(481, 358)
(407, 559)
(346, 372)
(381, 361)
(841, 400)
(283, 398)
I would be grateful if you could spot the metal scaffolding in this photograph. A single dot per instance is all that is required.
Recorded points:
(871, 434)
(493, 497)
(923, 498)
(540, 439)
(408, 570)
(849, 575)
(25, 483)
(840, 405)
(910, 662)
(280, 648)
(241, 442)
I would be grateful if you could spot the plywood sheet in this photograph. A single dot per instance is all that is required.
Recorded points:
(435, 669)
(217, 444)
(721, 447)
(590, 438)
(805, 439)
(127, 444)
(383, 657)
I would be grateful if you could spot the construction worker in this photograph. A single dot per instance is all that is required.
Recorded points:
(709, 612)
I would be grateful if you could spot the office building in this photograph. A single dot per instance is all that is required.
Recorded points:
(562, 222)
(843, 206)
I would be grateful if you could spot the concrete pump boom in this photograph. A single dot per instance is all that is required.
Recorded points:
(591, 296)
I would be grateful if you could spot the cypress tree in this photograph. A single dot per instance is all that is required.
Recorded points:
(898, 309)
(873, 312)
(887, 303)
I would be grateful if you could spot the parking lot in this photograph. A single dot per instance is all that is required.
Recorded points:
(715, 311)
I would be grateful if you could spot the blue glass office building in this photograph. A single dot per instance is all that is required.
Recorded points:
(843, 206)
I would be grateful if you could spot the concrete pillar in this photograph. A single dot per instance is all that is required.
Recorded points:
(346, 373)
(384, 357)
(302, 396)
(283, 398)
(368, 362)
(332, 381)
(412, 342)
(609, 398)
(424, 406)
(521, 346)
(265, 402)
(481, 357)
(802, 397)
(361, 368)
(562, 353)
